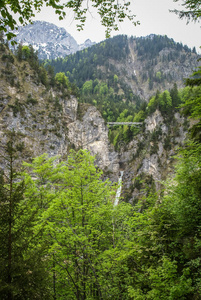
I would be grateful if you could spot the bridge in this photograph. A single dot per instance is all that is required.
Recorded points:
(124, 123)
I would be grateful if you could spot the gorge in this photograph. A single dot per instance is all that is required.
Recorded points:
(50, 119)
(124, 222)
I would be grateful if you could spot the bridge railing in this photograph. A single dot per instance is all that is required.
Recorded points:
(124, 123)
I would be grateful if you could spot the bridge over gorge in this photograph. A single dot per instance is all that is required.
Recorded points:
(124, 123)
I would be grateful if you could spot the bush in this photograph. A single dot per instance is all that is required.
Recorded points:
(31, 100)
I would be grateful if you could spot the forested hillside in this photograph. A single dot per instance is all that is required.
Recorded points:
(135, 68)
(61, 235)
(121, 74)
(102, 60)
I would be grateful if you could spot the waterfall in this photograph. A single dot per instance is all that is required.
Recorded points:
(119, 189)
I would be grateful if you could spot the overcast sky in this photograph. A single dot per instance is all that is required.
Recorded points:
(153, 15)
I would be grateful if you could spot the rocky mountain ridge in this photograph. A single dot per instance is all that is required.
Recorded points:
(146, 74)
(49, 40)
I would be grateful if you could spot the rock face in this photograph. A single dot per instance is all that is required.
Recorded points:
(49, 40)
(145, 75)
(48, 120)
(91, 133)
(150, 157)
(153, 121)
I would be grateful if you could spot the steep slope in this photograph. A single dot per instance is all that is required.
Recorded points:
(156, 63)
(48, 120)
(149, 158)
(143, 65)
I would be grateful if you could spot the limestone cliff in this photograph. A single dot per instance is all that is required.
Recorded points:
(149, 158)
(48, 120)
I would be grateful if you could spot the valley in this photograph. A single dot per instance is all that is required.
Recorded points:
(49, 119)
(100, 171)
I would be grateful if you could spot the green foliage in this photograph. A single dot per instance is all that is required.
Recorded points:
(22, 266)
(166, 102)
(188, 178)
(26, 53)
(167, 243)
(82, 67)
(192, 12)
(8, 57)
(108, 103)
(62, 79)
(115, 78)
(158, 75)
(151, 46)
(195, 79)
(192, 106)
(31, 100)
(85, 234)
(87, 87)
(92, 250)
(152, 105)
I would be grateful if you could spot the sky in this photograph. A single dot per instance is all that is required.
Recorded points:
(154, 17)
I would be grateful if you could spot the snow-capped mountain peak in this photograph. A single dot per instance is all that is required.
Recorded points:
(49, 40)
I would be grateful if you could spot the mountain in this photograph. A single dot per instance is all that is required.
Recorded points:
(143, 65)
(49, 40)
(62, 232)
(88, 43)
(121, 74)
(52, 115)
(48, 118)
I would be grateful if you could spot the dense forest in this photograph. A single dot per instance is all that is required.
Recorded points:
(82, 66)
(61, 235)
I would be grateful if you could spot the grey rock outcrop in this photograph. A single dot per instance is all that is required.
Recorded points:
(149, 156)
(91, 133)
(48, 120)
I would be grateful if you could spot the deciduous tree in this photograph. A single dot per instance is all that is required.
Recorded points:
(86, 235)
(192, 10)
